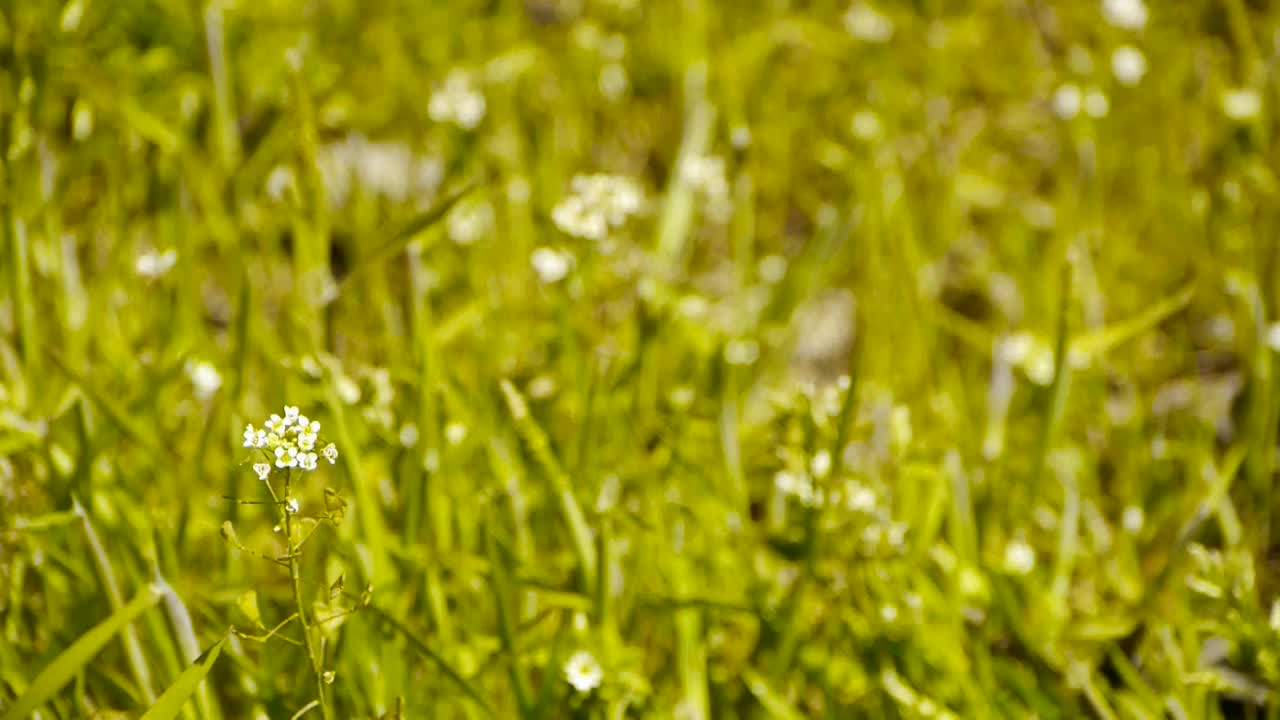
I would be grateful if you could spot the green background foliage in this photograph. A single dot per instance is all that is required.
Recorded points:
(956, 398)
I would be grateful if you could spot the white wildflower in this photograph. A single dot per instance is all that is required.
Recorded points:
(330, 453)
(820, 465)
(1273, 336)
(598, 203)
(772, 268)
(455, 432)
(469, 222)
(408, 435)
(1096, 104)
(583, 671)
(1126, 14)
(1066, 101)
(741, 352)
(152, 264)
(1128, 64)
(291, 506)
(289, 441)
(551, 265)
(859, 497)
(457, 101)
(280, 181)
(706, 175)
(286, 456)
(613, 81)
(1133, 519)
(1241, 103)
(866, 126)
(1019, 557)
(868, 24)
(347, 389)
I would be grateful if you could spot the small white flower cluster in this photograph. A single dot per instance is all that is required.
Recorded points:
(205, 378)
(290, 439)
(1068, 100)
(470, 221)
(868, 24)
(457, 101)
(387, 169)
(1241, 104)
(152, 264)
(1128, 64)
(550, 264)
(706, 176)
(599, 203)
(1125, 14)
(1019, 557)
(583, 671)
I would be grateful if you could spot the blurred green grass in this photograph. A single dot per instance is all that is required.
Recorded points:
(925, 368)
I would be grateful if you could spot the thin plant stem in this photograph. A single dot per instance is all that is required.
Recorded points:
(295, 579)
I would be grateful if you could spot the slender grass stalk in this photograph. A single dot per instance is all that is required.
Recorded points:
(133, 647)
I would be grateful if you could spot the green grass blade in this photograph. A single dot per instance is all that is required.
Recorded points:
(73, 659)
(175, 697)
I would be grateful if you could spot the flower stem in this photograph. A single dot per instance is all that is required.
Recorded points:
(295, 578)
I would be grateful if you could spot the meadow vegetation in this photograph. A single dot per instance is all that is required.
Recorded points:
(639, 359)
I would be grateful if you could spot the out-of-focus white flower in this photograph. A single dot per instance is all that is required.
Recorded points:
(408, 435)
(551, 265)
(706, 175)
(204, 377)
(1241, 103)
(772, 268)
(868, 24)
(1128, 64)
(598, 203)
(347, 389)
(1096, 104)
(1066, 101)
(1019, 557)
(469, 221)
(455, 432)
(152, 264)
(865, 125)
(742, 351)
(81, 120)
(279, 182)
(820, 465)
(613, 81)
(859, 497)
(1132, 519)
(1273, 336)
(583, 671)
(457, 101)
(386, 169)
(1126, 14)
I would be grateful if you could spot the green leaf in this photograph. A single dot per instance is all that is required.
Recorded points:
(65, 666)
(176, 695)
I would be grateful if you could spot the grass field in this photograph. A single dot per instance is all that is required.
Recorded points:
(619, 359)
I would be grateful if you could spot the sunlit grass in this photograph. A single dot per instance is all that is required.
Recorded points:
(681, 359)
